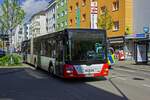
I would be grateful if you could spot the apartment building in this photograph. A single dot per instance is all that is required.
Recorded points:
(61, 15)
(76, 14)
(50, 17)
(38, 24)
(79, 13)
(122, 16)
(26, 31)
(17, 38)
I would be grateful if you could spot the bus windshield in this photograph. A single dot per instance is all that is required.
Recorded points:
(87, 46)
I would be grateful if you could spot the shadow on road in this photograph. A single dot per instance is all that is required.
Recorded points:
(28, 84)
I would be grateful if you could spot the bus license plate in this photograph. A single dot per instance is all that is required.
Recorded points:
(89, 75)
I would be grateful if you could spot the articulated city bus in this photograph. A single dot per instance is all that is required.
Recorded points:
(71, 53)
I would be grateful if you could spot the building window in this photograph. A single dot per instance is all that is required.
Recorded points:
(71, 22)
(83, 17)
(53, 16)
(77, 5)
(71, 8)
(83, 2)
(103, 9)
(116, 26)
(54, 26)
(76, 20)
(115, 5)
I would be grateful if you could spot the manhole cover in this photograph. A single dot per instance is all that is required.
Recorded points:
(137, 78)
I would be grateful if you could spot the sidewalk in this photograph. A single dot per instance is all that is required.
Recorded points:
(132, 65)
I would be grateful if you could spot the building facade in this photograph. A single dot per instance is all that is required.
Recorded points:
(79, 13)
(17, 38)
(141, 15)
(141, 20)
(50, 17)
(121, 12)
(75, 14)
(26, 31)
(38, 24)
(61, 15)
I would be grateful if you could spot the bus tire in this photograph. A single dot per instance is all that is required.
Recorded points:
(35, 64)
(51, 69)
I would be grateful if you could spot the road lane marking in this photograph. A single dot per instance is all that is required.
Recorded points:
(146, 85)
(121, 78)
(125, 70)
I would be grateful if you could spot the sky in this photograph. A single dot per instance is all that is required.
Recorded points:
(32, 6)
(1, 1)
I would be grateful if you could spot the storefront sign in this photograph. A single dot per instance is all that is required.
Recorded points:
(136, 36)
(94, 11)
(146, 29)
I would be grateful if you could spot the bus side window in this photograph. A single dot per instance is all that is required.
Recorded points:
(48, 48)
(43, 48)
(59, 50)
(53, 51)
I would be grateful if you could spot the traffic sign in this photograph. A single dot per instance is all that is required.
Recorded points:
(146, 29)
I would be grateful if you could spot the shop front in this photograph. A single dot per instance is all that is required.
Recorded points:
(137, 48)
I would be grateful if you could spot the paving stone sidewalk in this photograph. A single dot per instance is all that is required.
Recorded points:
(132, 65)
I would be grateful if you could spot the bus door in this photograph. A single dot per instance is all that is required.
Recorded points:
(59, 57)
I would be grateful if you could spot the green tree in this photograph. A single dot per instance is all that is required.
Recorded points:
(105, 20)
(2, 32)
(12, 15)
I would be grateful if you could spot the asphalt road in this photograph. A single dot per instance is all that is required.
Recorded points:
(29, 84)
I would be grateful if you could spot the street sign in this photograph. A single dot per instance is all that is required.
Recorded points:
(94, 11)
(146, 29)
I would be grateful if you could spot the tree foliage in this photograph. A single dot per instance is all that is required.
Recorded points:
(12, 15)
(105, 20)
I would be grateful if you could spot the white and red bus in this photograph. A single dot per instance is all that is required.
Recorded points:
(71, 53)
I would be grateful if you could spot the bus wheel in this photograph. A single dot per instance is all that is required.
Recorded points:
(35, 65)
(51, 70)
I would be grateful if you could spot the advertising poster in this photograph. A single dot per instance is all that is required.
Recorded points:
(141, 53)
